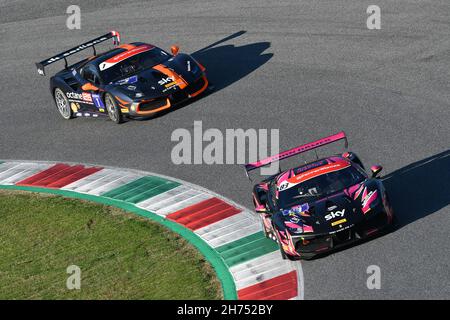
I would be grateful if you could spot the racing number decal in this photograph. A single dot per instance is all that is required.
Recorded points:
(98, 102)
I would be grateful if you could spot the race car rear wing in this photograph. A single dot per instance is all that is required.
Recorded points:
(295, 151)
(91, 43)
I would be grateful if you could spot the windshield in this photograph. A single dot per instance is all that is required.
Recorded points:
(133, 64)
(320, 186)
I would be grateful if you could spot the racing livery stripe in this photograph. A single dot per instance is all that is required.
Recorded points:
(229, 229)
(58, 176)
(203, 213)
(246, 248)
(260, 269)
(141, 189)
(124, 55)
(331, 167)
(282, 287)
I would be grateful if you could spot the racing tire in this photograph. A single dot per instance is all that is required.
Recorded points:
(113, 109)
(62, 104)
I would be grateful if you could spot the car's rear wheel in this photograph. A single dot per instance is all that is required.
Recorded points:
(63, 105)
(113, 109)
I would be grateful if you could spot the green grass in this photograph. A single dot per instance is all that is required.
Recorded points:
(121, 256)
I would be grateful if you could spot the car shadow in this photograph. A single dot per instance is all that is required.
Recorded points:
(225, 65)
(415, 191)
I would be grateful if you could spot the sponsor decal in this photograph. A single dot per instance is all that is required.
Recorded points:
(338, 222)
(335, 214)
(129, 80)
(166, 81)
(300, 209)
(342, 229)
(299, 178)
(98, 102)
(86, 96)
(188, 66)
(82, 97)
(79, 96)
(75, 50)
(123, 56)
(74, 95)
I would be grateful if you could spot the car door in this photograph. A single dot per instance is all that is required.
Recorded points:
(89, 90)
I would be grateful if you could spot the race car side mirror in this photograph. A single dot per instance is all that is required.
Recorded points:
(174, 49)
(89, 87)
(260, 209)
(375, 170)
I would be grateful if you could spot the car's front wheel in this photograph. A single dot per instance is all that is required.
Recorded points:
(63, 105)
(113, 109)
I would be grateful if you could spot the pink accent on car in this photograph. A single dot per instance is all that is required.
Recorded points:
(284, 176)
(351, 190)
(264, 186)
(371, 231)
(307, 228)
(292, 225)
(364, 193)
(375, 168)
(358, 192)
(368, 201)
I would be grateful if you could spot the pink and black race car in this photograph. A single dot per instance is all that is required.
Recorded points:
(321, 205)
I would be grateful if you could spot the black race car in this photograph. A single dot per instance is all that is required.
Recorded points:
(321, 205)
(135, 80)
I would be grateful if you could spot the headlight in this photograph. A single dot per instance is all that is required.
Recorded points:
(134, 106)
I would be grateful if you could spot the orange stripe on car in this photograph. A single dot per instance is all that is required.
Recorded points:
(175, 76)
(127, 46)
(335, 166)
(121, 101)
(202, 89)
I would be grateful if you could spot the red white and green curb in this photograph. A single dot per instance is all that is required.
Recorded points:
(248, 265)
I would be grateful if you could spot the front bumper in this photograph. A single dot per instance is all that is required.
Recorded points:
(153, 106)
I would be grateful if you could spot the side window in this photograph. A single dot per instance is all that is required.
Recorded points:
(90, 74)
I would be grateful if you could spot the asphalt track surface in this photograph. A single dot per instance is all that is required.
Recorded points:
(308, 68)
